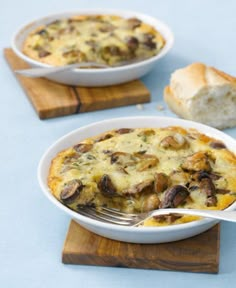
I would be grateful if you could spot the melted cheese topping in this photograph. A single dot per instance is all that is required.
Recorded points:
(105, 39)
(119, 168)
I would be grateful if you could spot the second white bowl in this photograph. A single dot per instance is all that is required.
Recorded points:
(96, 77)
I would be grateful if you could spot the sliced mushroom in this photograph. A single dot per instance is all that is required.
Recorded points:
(66, 30)
(71, 191)
(193, 187)
(134, 22)
(132, 43)
(92, 43)
(199, 175)
(106, 186)
(83, 147)
(217, 145)
(208, 187)
(124, 130)
(107, 151)
(43, 53)
(104, 137)
(42, 32)
(148, 41)
(147, 161)
(122, 170)
(174, 196)
(123, 158)
(107, 27)
(151, 202)
(71, 158)
(196, 162)
(222, 191)
(170, 218)
(146, 132)
(111, 50)
(138, 188)
(74, 53)
(161, 182)
(175, 142)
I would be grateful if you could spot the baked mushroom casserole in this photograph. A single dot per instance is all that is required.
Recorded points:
(105, 39)
(142, 169)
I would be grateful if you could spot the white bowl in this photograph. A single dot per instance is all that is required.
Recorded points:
(96, 77)
(130, 234)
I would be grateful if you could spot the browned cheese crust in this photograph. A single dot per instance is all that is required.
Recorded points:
(143, 169)
(105, 39)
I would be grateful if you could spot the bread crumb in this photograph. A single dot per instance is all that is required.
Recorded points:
(139, 107)
(160, 107)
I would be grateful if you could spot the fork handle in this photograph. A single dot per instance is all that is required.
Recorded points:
(45, 71)
(215, 214)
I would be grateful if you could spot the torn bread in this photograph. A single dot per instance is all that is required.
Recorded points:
(203, 94)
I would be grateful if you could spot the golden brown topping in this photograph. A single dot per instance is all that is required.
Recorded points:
(161, 182)
(71, 191)
(140, 177)
(197, 161)
(105, 39)
(147, 132)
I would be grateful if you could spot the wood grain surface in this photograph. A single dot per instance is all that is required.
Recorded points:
(51, 99)
(195, 254)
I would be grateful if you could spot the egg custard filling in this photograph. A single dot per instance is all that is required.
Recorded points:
(142, 169)
(104, 39)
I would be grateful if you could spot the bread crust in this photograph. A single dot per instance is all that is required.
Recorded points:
(190, 88)
(175, 103)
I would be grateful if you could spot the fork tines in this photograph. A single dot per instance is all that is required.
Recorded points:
(108, 215)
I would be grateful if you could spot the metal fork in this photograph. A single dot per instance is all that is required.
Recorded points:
(46, 71)
(117, 217)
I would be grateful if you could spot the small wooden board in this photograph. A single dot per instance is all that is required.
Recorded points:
(195, 254)
(51, 99)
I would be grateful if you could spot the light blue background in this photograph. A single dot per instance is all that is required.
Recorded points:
(32, 229)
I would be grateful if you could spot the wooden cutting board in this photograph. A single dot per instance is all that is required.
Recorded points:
(195, 254)
(51, 99)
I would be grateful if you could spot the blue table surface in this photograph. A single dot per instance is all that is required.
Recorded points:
(32, 229)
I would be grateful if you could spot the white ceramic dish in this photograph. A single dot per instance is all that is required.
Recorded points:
(96, 77)
(130, 234)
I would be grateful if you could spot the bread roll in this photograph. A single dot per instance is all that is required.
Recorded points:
(203, 94)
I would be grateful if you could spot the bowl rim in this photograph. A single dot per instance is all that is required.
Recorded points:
(92, 222)
(168, 36)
